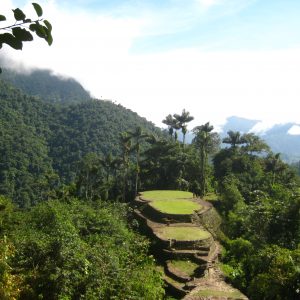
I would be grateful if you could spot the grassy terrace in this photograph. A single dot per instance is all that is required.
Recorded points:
(183, 233)
(166, 195)
(176, 206)
(172, 202)
(185, 266)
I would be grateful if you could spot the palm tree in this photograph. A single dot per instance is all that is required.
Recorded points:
(207, 142)
(107, 163)
(275, 165)
(234, 138)
(89, 179)
(172, 125)
(137, 136)
(254, 144)
(182, 121)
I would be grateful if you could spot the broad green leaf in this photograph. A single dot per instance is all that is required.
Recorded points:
(48, 36)
(2, 18)
(32, 27)
(0, 70)
(22, 34)
(38, 9)
(49, 26)
(40, 30)
(49, 39)
(19, 15)
(9, 39)
(27, 21)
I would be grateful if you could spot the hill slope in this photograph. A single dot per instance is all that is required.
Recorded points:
(41, 142)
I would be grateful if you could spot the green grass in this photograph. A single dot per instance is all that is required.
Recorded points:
(185, 266)
(172, 202)
(213, 293)
(183, 233)
(176, 206)
(166, 195)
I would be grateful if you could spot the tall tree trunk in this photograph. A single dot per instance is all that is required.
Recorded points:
(137, 170)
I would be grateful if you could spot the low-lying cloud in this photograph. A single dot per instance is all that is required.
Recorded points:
(96, 48)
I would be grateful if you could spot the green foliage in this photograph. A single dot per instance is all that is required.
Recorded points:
(269, 273)
(168, 166)
(207, 143)
(98, 150)
(260, 203)
(231, 196)
(75, 250)
(181, 121)
(10, 283)
(42, 145)
(18, 32)
(277, 274)
(26, 174)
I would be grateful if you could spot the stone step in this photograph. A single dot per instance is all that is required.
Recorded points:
(157, 216)
(197, 256)
(175, 288)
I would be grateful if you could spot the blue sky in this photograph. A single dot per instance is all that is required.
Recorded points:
(215, 58)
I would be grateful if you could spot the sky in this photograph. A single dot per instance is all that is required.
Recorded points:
(214, 58)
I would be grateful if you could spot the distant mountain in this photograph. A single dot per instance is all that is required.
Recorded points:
(238, 124)
(47, 86)
(279, 137)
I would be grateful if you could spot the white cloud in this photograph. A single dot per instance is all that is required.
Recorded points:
(95, 49)
(294, 130)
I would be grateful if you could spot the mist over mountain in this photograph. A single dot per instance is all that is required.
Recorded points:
(280, 137)
(45, 85)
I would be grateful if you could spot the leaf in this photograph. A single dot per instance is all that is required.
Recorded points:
(9, 39)
(2, 18)
(48, 24)
(38, 9)
(27, 21)
(40, 31)
(19, 15)
(48, 36)
(22, 34)
(49, 39)
(32, 27)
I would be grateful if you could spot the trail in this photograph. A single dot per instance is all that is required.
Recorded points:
(185, 246)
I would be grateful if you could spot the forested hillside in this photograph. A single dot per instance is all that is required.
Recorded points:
(42, 143)
(68, 172)
(62, 234)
